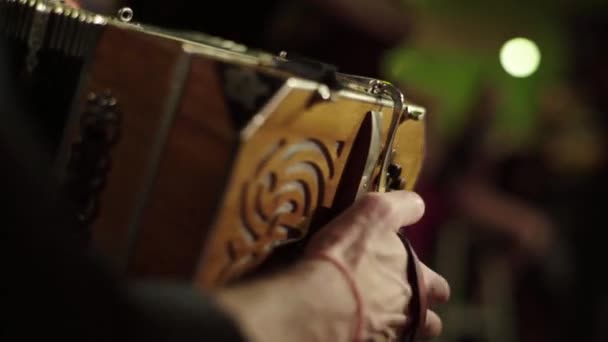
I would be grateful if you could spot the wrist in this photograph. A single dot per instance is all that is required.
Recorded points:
(310, 302)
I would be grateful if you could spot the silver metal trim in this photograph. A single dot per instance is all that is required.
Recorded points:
(396, 119)
(260, 118)
(373, 154)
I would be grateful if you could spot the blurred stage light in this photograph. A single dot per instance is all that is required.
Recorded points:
(520, 57)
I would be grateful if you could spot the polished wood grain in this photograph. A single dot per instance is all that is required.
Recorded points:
(410, 143)
(191, 180)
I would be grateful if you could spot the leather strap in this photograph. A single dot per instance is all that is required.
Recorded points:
(419, 303)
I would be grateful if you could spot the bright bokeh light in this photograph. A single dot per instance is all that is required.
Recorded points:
(520, 57)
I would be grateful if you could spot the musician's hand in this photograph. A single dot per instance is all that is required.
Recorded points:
(314, 301)
(364, 240)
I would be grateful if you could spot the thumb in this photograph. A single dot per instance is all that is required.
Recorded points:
(390, 210)
(381, 211)
(371, 214)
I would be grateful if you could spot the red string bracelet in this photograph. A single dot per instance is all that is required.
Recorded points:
(358, 327)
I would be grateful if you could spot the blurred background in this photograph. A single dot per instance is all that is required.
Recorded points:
(517, 96)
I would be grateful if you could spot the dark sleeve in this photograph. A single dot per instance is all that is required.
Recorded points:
(51, 286)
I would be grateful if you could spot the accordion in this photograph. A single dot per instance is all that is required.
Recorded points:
(194, 157)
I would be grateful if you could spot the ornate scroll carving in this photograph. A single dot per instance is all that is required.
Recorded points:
(289, 184)
(90, 155)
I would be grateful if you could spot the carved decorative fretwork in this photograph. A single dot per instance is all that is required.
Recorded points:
(90, 155)
(289, 184)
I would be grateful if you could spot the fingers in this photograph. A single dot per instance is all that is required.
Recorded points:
(438, 288)
(373, 213)
(438, 291)
(391, 210)
(432, 327)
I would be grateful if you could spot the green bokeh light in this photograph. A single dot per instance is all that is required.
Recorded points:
(454, 73)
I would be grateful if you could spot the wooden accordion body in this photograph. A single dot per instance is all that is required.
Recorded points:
(194, 157)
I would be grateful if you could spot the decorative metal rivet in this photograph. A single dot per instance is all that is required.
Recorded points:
(125, 14)
(324, 92)
(415, 112)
